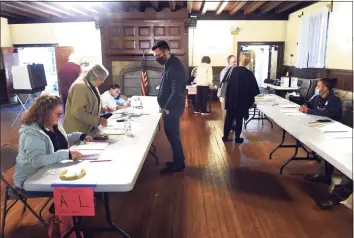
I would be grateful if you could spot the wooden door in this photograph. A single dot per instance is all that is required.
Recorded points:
(62, 54)
(10, 57)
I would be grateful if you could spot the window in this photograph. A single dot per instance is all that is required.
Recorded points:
(313, 40)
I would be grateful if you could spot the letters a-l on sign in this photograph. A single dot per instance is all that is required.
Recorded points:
(74, 201)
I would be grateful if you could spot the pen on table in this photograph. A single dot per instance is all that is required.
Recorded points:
(93, 161)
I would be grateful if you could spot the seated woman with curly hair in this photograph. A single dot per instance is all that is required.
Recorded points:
(43, 140)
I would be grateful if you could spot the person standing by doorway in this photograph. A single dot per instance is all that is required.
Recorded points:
(241, 89)
(67, 74)
(231, 62)
(171, 99)
(204, 80)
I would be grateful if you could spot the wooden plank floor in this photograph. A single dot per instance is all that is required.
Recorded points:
(226, 191)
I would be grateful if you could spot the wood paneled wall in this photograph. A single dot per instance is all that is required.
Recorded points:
(344, 77)
(127, 39)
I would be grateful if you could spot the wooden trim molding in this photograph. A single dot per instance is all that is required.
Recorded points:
(344, 77)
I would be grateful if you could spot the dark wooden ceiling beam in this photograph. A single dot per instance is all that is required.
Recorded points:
(31, 8)
(67, 7)
(9, 15)
(48, 6)
(221, 7)
(13, 9)
(236, 7)
(269, 6)
(172, 4)
(286, 6)
(253, 7)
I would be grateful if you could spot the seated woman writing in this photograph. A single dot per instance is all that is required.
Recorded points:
(43, 140)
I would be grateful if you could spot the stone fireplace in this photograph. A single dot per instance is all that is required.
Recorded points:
(128, 75)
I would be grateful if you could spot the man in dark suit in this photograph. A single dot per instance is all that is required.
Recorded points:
(171, 98)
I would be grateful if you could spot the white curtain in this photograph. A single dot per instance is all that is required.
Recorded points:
(318, 39)
(312, 40)
(303, 43)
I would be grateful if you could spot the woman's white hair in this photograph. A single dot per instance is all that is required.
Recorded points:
(95, 72)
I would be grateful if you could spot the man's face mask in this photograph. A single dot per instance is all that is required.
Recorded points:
(161, 60)
(115, 94)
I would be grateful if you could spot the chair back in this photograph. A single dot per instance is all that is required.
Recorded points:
(8, 154)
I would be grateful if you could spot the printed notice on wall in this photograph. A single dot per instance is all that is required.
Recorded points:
(74, 201)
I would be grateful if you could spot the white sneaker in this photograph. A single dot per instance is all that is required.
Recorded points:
(205, 113)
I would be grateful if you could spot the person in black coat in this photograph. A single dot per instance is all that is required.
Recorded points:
(171, 99)
(241, 89)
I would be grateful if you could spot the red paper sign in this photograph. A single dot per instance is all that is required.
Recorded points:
(74, 201)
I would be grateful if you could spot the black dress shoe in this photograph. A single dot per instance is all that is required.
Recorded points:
(172, 169)
(171, 164)
(225, 139)
(318, 178)
(239, 140)
(328, 204)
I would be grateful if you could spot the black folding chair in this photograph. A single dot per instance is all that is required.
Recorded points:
(7, 161)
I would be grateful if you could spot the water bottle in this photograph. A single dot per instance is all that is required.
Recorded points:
(128, 126)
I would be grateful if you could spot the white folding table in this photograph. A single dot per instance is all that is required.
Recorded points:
(336, 151)
(127, 155)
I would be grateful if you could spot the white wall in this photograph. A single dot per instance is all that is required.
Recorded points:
(214, 39)
(5, 33)
(339, 45)
(83, 36)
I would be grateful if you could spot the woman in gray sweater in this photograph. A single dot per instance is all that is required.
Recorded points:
(43, 140)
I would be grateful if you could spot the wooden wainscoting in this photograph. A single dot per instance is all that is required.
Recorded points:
(344, 77)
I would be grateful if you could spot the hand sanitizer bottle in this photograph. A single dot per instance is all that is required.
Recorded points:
(128, 126)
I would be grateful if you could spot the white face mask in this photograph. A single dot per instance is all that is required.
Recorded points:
(317, 91)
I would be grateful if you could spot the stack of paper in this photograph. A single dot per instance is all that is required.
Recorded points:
(114, 129)
(290, 111)
(335, 128)
(290, 106)
(91, 150)
(295, 114)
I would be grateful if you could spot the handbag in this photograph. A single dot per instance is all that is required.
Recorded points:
(223, 86)
(60, 225)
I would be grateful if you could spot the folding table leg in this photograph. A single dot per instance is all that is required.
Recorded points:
(109, 219)
(279, 146)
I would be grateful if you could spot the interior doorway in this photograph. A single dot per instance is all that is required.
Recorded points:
(41, 54)
(266, 59)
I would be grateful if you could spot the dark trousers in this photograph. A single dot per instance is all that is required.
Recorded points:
(202, 98)
(171, 126)
(64, 99)
(230, 117)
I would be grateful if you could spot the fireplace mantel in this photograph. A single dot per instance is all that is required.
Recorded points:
(124, 40)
